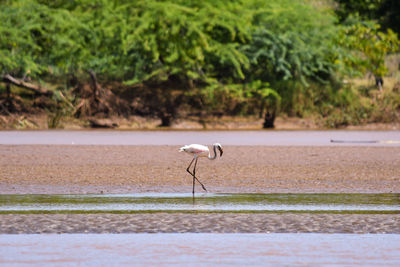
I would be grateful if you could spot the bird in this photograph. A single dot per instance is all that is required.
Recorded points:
(200, 151)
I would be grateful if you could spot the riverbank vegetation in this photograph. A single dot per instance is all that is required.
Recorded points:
(85, 62)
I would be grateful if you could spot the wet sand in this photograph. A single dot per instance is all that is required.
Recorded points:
(52, 169)
(200, 223)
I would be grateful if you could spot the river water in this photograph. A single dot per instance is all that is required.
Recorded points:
(200, 250)
(270, 138)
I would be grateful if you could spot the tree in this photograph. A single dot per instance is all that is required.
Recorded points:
(368, 48)
(384, 12)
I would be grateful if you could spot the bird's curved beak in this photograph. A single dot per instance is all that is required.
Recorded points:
(220, 151)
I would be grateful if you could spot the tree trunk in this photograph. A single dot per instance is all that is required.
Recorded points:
(166, 120)
(379, 82)
(95, 85)
(7, 105)
(8, 92)
(269, 120)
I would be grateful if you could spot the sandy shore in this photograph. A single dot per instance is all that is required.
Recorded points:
(199, 223)
(128, 169)
(44, 169)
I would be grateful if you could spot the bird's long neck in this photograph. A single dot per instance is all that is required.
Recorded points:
(215, 154)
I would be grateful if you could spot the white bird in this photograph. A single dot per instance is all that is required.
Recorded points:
(200, 151)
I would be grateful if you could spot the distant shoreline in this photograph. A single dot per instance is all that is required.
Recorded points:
(40, 122)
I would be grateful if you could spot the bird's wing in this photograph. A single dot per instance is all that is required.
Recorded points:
(194, 148)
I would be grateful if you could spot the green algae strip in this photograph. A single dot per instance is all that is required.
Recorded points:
(160, 198)
(200, 212)
(201, 203)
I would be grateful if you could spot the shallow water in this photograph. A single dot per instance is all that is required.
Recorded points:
(175, 202)
(270, 138)
(201, 249)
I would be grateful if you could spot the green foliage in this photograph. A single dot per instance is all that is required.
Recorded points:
(351, 106)
(261, 96)
(188, 40)
(366, 9)
(384, 12)
(368, 47)
(63, 108)
(291, 41)
(292, 48)
(238, 57)
(18, 50)
(240, 98)
(38, 40)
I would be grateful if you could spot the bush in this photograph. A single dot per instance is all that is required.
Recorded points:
(236, 57)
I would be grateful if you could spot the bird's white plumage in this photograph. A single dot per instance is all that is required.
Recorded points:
(196, 150)
(199, 151)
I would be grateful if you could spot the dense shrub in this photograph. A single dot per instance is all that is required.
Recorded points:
(236, 57)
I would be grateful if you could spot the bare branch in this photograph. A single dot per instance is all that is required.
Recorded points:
(30, 86)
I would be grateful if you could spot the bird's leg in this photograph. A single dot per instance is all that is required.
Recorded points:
(188, 170)
(194, 176)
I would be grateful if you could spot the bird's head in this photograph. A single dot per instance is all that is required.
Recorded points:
(218, 145)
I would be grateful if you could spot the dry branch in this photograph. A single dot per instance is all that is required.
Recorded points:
(30, 86)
